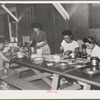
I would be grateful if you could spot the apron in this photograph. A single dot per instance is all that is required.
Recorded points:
(45, 49)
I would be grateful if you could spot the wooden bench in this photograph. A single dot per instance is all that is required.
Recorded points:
(21, 84)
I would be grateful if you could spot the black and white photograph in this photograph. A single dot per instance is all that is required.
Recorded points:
(50, 46)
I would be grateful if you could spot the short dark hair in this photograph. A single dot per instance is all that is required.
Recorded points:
(89, 40)
(2, 40)
(36, 25)
(83, 46)
(67, 32)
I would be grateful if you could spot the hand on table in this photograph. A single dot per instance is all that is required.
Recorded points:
(68, 52)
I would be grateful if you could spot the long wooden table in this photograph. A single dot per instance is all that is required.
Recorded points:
(70, 72)
(79, 75)
(39, 69)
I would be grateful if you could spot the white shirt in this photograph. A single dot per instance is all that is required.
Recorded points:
(95, 52)
(69, 46)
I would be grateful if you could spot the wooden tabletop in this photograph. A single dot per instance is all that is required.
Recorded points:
(79, 75)
(70, 72)
(44, 67)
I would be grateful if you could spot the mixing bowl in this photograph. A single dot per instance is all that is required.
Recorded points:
(38, 60)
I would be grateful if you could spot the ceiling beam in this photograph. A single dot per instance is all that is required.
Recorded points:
(12, 9)
(62, 11)
(9, 12)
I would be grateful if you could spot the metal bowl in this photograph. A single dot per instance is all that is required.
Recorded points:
(38, 60)
(62, 64)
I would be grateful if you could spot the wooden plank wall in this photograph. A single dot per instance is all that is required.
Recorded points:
(54, 24)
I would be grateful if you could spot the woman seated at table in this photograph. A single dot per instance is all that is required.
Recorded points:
(4, 70)
(39, 37)
(92, 48)
(68, 45)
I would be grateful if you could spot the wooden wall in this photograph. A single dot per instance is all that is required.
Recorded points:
(54, 24)
(4, 29)
(51, 21)
(78, 23)
(94, 22)
(1, 25)
(22, 24)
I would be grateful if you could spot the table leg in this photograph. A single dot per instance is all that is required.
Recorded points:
(55, 80)
(85, 85)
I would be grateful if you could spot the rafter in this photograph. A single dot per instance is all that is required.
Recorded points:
(62, 11)
(9, 12)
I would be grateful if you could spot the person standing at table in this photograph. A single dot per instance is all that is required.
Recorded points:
(92, 48)
(39, 38)
(68, 45)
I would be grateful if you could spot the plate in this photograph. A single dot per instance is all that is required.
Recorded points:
(90, 71)
(79, 66)
(62, 64)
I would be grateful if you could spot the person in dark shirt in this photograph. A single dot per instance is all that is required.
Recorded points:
(77, 52)
(39, 38)
(83, 52)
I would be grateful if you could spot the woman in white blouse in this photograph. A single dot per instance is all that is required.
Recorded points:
(68, 44)
(92, 48)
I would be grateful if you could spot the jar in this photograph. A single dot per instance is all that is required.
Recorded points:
(94, 61)
(61, 49)
(73, 55)
(32, 49)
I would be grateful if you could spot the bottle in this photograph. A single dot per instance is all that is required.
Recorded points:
(32, 49)
(73, 55)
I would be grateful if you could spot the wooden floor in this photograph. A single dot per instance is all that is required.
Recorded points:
(37, 82)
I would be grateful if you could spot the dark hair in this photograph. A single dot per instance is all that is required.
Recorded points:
(89, 40)
(36, 25)
(83, 46)
(2, 40)
(67, 32)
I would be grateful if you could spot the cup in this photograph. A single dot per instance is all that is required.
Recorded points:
(39, 51)
(72, 55)
(19, 54)
(32, 49)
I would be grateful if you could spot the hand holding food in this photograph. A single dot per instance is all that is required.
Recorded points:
(68, 52)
